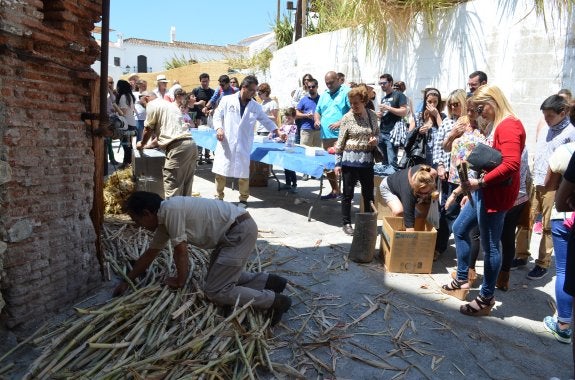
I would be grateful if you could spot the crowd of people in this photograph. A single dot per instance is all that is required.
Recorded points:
(421, 151)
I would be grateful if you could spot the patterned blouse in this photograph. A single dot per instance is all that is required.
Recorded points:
(352, 146)
(460, 150)
(431, 138)
(440, 156)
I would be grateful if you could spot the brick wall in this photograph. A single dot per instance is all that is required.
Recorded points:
(47, 239)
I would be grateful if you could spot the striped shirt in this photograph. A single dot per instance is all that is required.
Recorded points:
(547, 142)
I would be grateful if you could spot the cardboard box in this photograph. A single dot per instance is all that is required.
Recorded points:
(259, 174)
(382, 209)
(148, 165)
(407, 252)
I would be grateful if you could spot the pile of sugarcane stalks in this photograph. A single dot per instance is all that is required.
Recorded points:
(153, 332)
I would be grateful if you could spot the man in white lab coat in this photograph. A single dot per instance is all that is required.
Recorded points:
(234, 122)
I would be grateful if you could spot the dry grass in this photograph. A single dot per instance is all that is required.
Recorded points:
(188, 76)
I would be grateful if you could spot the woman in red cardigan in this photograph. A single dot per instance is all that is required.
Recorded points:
(493, 193)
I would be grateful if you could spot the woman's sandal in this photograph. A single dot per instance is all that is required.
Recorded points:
(471, 277)
(479, 307)
(454, 289)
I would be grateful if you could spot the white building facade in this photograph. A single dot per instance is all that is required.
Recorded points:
(136, 55)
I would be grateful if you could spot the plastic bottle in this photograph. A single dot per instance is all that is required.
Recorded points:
(290, 143)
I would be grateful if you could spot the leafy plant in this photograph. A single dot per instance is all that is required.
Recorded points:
(176, 62)
(258, 62)
(283, 32)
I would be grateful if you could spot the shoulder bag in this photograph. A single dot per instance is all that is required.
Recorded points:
(484, 158)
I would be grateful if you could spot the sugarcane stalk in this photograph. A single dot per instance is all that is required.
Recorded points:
(67, 359)
(122, 274)
(463, 171)
(6, 368)
(98, 364)
(244, 356)
(109, 345)
(182, 309)
(193, 345)
(90, 357)
(73, 342)
(222, 359)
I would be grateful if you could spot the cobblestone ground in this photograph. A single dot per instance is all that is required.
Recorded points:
(352, 321)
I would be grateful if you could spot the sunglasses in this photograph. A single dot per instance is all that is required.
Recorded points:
(454, 105)
(310, 87)
(479, 110)
(383, 83)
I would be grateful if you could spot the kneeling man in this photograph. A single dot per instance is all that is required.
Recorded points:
(209, 224)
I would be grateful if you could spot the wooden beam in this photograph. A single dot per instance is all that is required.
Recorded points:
(97, 212)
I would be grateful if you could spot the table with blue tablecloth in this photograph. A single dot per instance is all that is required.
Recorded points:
(273, 153)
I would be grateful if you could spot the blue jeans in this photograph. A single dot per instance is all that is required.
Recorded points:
(389, 151)
(490, 227)
(560, 235)
(139, 129)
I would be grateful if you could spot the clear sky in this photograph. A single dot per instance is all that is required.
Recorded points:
(217, 22)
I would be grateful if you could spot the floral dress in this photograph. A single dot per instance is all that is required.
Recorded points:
(460, 150)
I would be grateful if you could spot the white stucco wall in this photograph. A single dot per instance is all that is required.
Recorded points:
(504, 39)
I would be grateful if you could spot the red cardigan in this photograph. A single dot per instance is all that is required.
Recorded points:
(502, 183)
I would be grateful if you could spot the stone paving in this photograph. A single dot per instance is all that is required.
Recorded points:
(356, 321)
(415, 328)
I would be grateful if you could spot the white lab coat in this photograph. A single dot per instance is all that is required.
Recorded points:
(232, 155)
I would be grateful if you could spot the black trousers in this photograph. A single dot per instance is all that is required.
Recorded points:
(447, 216)
(508, 235)
(291, 177)
(350, 177)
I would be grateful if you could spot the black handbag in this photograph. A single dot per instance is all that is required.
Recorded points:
(414, 150)
(484, 158)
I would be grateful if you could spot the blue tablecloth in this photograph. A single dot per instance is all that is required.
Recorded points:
(274, 154)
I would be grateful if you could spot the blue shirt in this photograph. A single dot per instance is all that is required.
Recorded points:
(331, 108)
(219, 93)
(307, 105)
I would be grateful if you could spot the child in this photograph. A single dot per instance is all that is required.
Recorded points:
(289, 128)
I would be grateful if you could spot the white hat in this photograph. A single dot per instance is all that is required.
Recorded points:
(162, 78)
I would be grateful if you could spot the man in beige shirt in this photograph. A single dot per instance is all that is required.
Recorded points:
(165, 120)
(209, 224)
